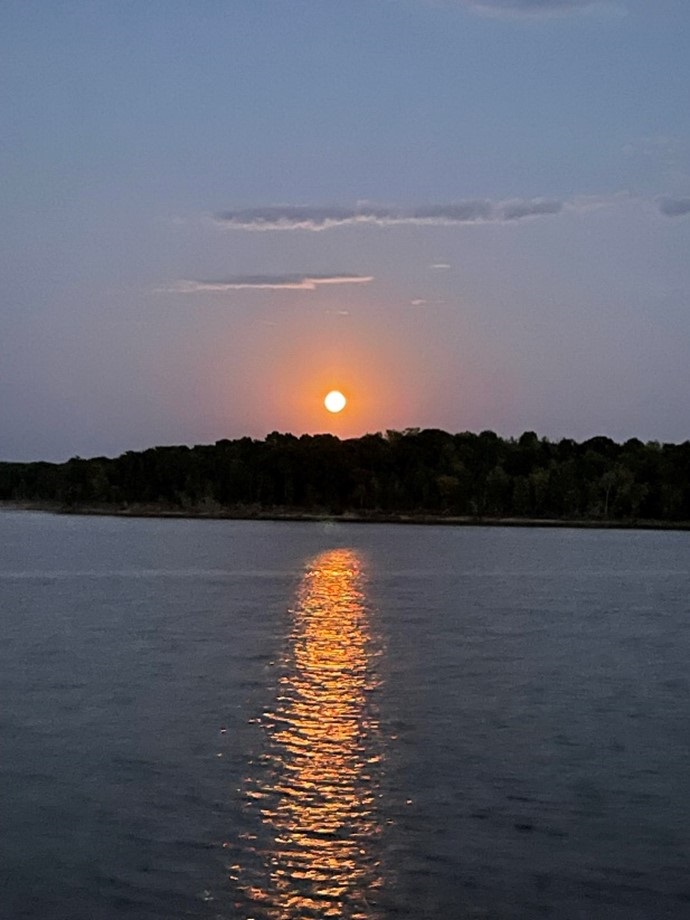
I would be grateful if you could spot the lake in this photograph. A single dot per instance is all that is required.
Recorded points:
(284, 721)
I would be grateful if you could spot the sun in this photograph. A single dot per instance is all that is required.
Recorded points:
(335, 401)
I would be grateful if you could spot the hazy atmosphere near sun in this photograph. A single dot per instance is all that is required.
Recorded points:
(464, 214)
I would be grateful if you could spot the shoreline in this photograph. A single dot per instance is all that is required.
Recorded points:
(276, 515)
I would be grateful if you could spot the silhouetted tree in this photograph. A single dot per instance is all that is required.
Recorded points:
(410, 471)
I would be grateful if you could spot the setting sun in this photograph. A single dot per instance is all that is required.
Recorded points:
(335, 401)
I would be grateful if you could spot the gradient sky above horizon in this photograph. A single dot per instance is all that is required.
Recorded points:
(464, 215)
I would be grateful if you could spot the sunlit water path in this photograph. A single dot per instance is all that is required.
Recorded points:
(315, 788)
(224, 720)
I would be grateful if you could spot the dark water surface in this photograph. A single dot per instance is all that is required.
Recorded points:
(216, 719)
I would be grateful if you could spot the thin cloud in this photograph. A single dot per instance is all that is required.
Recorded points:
(297, 217)
(535, 8)
(265, 283)
(674, 207)
(582, 204)
(300, 217)
(536, 207)
(464, 212)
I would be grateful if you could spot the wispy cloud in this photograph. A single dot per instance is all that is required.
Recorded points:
(292, 282)
(674, 207)
(536, 207)
(301, 217)
(462, 212)
(536, 8)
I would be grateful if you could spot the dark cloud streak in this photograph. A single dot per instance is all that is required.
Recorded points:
(674, 207)
(531, 8)
(300, 217)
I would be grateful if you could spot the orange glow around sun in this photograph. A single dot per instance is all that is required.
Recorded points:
(281, 382)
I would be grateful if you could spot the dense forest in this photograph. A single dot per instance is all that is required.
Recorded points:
(397, 473)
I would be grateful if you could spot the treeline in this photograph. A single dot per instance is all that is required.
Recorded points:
(399, 472)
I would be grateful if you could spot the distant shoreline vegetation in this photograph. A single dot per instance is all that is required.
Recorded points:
(410, 476)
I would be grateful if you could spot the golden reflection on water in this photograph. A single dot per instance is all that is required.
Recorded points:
(316, 788)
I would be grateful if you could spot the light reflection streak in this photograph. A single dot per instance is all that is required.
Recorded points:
(316, 786)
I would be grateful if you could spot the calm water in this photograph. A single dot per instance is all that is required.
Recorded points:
(216, 719)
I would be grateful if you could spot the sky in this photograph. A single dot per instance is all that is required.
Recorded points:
(464, 214)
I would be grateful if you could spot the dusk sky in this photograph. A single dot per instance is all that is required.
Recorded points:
(464, 214)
